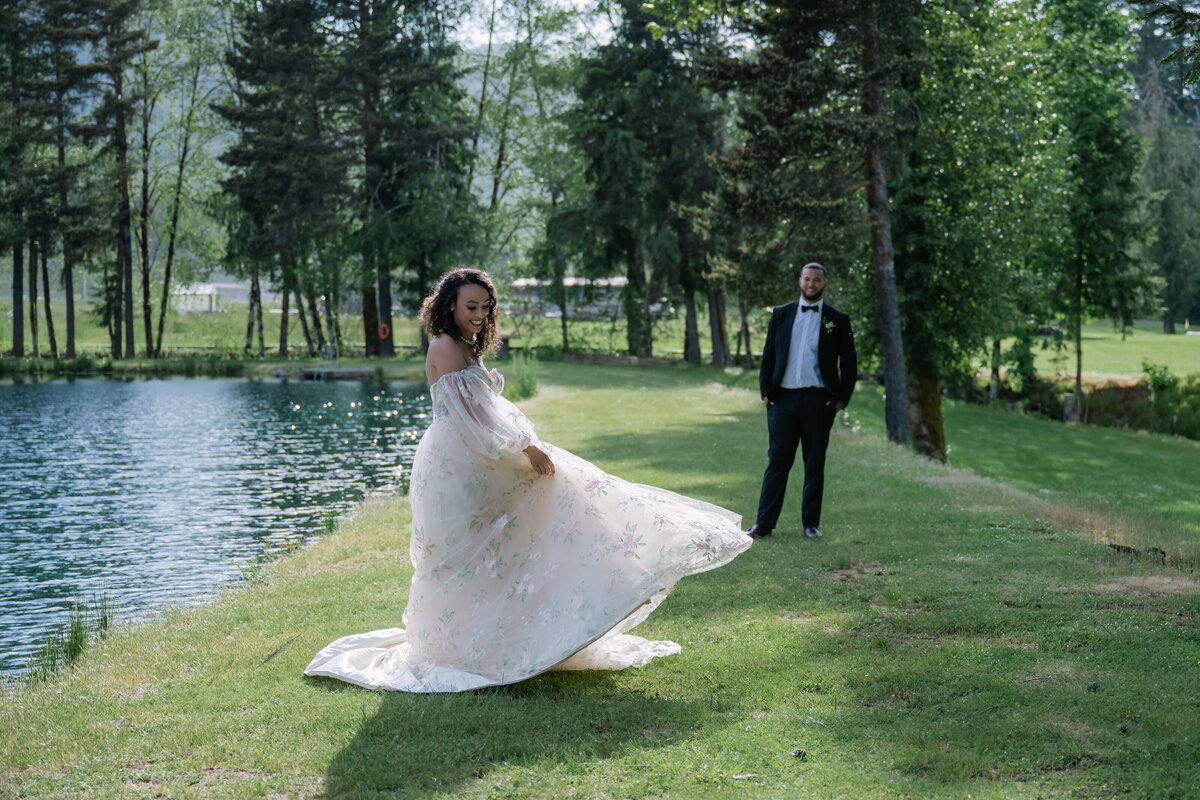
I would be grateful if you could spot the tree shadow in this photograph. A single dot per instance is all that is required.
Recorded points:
(418, 744)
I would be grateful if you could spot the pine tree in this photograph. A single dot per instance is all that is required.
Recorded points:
(287, 169)
(646, 131)
(120, 43)
(396, 61)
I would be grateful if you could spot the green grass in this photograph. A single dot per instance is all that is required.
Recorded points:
(1108, 355)
(945, 639)
(1129, 488)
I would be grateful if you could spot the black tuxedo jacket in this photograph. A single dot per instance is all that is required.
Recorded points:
(836, 357)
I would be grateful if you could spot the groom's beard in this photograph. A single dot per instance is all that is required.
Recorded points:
(812, 298)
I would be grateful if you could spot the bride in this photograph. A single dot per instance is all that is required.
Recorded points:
(526, 558)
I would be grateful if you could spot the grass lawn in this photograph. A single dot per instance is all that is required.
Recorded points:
(1109, 355)
(1130, 488)
(949, 637)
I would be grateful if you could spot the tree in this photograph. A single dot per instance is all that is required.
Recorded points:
(15, 139)
(646, 129)
(1101, 273)
(68, 30)
(121, 43)
(287, 171)
(1167, 119)
(812, 84)
(977, 168)
(1183, 25)
(404, 102)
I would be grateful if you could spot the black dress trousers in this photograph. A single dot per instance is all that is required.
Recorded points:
(798, 418)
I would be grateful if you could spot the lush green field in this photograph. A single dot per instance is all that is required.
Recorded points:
(1130, 488)
(1109, 354)
(951, 636)
(225, 331)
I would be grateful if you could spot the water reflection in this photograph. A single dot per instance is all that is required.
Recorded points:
(155, 492)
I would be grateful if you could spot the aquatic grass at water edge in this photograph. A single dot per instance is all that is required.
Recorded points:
(88, 622)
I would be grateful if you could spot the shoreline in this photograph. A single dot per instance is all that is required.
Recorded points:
(942, 617)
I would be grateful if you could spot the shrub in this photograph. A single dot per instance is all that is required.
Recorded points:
(1120, 406)
(520, 380)
(1189, 408)
(1164, 386)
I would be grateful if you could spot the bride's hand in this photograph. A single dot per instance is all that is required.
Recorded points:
(541, 462)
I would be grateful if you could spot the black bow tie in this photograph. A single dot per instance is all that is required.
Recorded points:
(809, 308)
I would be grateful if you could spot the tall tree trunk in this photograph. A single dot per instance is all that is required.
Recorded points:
(716, 324)
(176, 202)
(635, 301)
(33, 297)
(994, 391)
(314, 312)
(254, 300)
(46, 302)
(483, 91)
(333, 321)
(1077, 323)
(377, 311)
(1168, 323)
(387, 344)
(18, 300)
(312, 352)
(925, 409)
(563, 308)
(691, 335)
(68, 245)
(284, 321)
(744, 334)
(112, 301)
(144, 224)
(124, 214)
(256, 288)
(370, 312)
(883, 258)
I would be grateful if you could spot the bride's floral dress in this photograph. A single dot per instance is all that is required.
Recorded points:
(516, 574)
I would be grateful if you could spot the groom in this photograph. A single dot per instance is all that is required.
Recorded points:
(807, 375)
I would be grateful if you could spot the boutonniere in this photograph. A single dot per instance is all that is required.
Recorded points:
(827, 325)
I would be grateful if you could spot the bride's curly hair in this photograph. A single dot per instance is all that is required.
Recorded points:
(437, 316)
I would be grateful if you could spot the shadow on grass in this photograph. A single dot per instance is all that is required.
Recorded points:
(416, 745)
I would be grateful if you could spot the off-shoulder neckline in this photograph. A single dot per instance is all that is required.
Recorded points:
(456, 371)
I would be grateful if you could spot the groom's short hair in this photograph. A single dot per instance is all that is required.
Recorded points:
(812, 265)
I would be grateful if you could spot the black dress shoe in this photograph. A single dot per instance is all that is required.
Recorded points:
(758, 531)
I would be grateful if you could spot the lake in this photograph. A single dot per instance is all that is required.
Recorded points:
(159, 492)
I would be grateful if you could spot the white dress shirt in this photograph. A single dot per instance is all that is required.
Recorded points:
(802, 370)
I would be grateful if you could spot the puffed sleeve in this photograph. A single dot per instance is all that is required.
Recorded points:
(488, 424)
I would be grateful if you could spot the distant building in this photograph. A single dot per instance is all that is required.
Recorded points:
(196, 298)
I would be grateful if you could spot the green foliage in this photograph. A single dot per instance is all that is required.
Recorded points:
(646, 131)
(1176, 401)
(1183, 24)
(520, 376)
(1165, 118)
(1021, 356)
(979, 183)
(1100, 271)
(1189, 408)
(1121, 406)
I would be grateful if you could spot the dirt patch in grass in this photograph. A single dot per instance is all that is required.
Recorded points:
(1150, 586)
(957, 479)
(858, 570)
